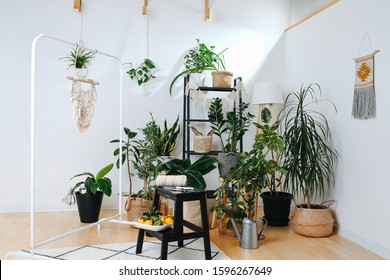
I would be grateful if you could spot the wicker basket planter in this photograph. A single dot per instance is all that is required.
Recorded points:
(314, 222)
(222, 79)
(202, 143)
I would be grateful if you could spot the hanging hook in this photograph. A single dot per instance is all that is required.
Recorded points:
(77, 5)
(145, 8)
(207, 12)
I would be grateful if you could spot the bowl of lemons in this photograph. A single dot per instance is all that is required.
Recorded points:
(154, 220)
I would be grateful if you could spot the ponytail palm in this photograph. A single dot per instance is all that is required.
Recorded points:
(309, 156)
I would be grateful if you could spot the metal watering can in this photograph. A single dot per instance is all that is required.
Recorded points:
(248, 237)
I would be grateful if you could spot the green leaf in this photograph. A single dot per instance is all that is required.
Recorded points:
(92, 186)
(203, 163)
(82, 174)
(131, 134)
(266, 115)
(103, 172)
(195, 179)
(105, 186)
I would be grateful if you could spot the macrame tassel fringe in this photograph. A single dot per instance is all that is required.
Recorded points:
(364, 103)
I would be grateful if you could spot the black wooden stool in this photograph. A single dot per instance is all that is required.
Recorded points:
(176, 233)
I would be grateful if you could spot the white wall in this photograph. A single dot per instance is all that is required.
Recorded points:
(321, 50)
(252, 32)
(302, 8)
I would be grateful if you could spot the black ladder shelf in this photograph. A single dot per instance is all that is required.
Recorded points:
(187, 152)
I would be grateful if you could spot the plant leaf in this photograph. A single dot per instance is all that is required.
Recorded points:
(103, 172)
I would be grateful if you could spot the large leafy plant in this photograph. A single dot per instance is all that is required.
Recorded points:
(230, 128)
(126, 152)
(91, 184)
(309, 156)
(237, 196)
(199, 59)
(270, 139)
(193, 171)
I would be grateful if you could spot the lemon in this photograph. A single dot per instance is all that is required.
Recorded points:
(162, 218)
(168, 220)
(148, 222)
(141, 221)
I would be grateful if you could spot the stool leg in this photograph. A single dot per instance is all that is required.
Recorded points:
(140, 241)
(164, 250)
(178, 222)
(205, 225)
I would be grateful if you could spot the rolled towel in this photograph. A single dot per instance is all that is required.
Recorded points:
(171, 180)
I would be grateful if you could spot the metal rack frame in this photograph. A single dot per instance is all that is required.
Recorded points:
(187, 116)
(33, 244)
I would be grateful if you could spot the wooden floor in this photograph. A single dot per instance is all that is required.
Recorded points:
(280, 243)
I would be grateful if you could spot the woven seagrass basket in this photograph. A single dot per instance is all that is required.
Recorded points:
(202, 143)
(222, 79)
(314, 222)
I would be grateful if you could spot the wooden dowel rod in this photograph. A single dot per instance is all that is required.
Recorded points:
(89, 81)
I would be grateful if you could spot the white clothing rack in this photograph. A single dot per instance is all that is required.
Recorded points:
(32, 158)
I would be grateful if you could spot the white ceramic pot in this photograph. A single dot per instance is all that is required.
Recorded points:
(81, 72)
(198, 78)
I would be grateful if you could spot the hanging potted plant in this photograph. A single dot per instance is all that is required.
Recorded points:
(197, 60)
(89, 194)
(276, 202)
(143, 73)
(309, 158)
(229, 129)
(78, 59)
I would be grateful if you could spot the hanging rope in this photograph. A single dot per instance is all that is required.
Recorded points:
(145, 86)
(81, 42)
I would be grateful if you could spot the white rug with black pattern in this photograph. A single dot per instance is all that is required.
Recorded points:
(192, 250)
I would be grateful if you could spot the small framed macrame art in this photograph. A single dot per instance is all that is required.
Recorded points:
(364, 98)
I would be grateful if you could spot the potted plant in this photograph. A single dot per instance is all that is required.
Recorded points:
(143, 73)
(309, 158)
(194, 173)
(276, 202)
(199, 59)
(229, 129)
(237, 197)
(135, 153)
(89, 194)
(78, 59)
(161, 141)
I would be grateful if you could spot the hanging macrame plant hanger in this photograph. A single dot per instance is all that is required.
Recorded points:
(83, 100)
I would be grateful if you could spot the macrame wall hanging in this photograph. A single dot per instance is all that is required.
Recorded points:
(364, 97)
(83, 101)
(200, 98)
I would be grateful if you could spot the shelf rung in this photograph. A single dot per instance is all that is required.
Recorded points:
(198, 120)
(216, 89)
